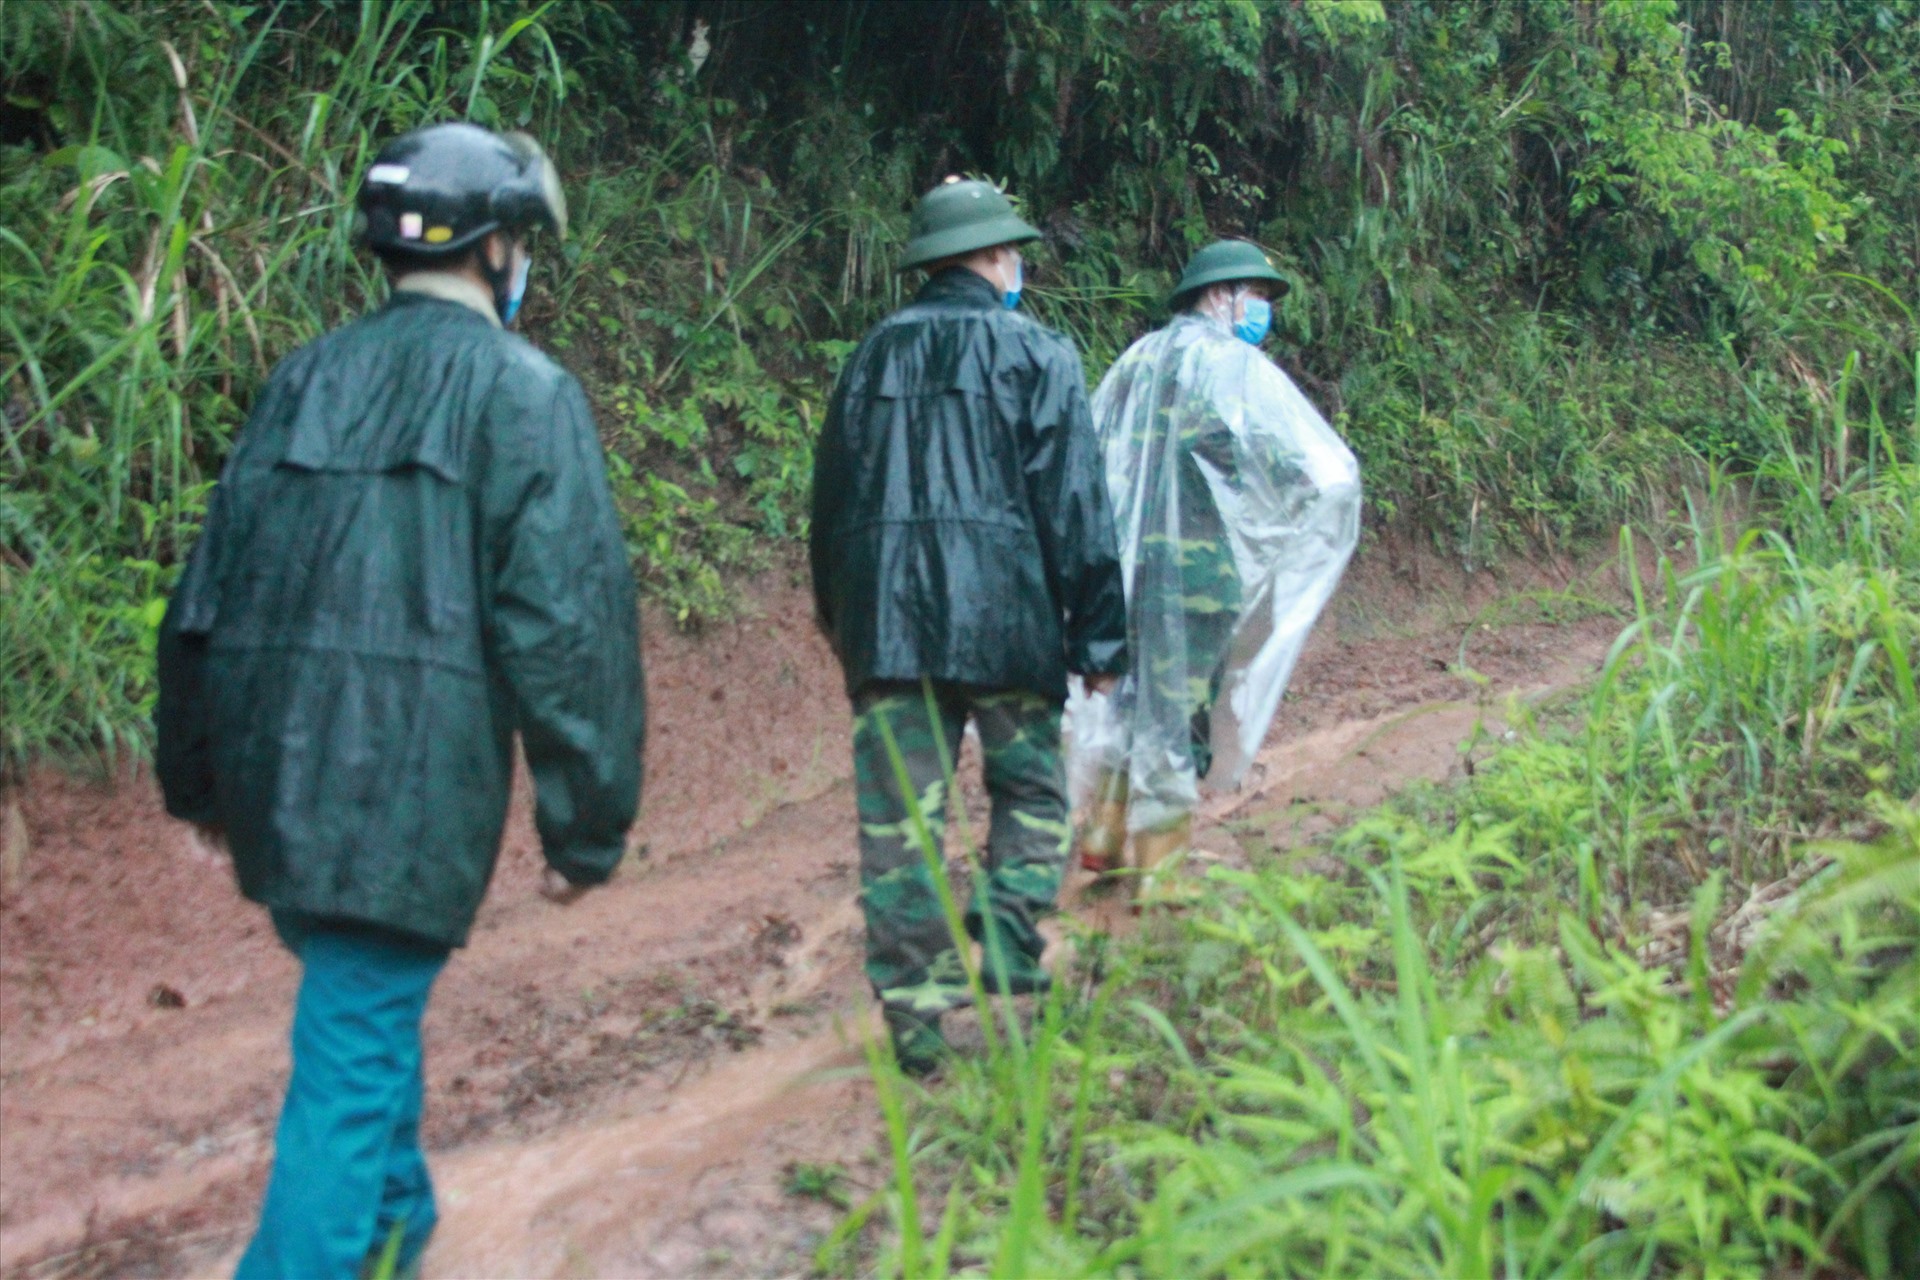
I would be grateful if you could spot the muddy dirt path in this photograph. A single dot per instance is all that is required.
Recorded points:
(622, 1087)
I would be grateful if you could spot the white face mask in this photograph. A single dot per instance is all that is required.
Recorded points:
(1010, 294)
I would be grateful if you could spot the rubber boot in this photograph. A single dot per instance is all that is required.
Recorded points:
(919, 1047)
(1021, 975)
(1101, 844)
(1158, 855)
(1006, 967)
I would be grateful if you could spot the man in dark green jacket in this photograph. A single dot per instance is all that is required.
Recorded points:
(412, 553)
(964, 563)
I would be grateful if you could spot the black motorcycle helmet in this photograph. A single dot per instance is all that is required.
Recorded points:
(432, 194)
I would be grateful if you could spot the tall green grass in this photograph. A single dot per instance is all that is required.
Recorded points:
(196, 224)
(1476, 1048)
(1760, 690)
(198, 228)
(176, 214)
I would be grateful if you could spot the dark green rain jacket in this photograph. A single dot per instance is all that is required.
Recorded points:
(960, 521)
(411, 553)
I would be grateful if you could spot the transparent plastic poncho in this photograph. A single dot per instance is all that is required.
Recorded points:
(1237, 508)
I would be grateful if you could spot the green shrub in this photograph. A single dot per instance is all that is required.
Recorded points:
(1548, 260)
(1464, 1045)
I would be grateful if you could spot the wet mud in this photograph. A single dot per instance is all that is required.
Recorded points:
(625, 1086)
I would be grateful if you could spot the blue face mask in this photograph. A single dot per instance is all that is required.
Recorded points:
(518, 291)
(1011, 298)
(1254, 325)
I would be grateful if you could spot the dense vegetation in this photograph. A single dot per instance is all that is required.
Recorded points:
(1642, 998)
(1547, 257)
(1556, 266)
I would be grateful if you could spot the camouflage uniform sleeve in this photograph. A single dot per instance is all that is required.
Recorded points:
(1067, 494)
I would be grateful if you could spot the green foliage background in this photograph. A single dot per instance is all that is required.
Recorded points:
(1547, 258)
(1557, 266)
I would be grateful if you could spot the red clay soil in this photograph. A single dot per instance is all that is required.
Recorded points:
(619, 1087)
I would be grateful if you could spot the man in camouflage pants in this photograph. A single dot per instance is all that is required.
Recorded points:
(1239, 507)
(964, 562)
(1185, 655)
(910, 954)
(1186, 605)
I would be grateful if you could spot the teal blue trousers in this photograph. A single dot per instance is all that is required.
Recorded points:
(347, 1167)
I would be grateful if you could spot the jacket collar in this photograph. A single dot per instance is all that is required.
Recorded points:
(961, 287)
(1184, 319)
(449, 287)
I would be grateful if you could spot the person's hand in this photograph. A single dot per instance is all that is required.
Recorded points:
(557, 889)
(1100, 684)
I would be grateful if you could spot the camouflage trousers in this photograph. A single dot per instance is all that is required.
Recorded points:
(911, 959)
(1181, 642)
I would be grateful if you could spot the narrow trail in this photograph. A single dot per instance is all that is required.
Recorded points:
(620, 1087)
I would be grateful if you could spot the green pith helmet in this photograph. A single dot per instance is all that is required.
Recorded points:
(959, 216)
(1225, 260)
(437, 190)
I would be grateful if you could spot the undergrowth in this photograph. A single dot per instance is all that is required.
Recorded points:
(1639, 998)
(1549, 262)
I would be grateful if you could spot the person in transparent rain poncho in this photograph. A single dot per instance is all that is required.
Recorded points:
(1237, 508)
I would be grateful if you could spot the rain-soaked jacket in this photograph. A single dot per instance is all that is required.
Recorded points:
(1237, 508)
(960, 522)
(412, 552)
